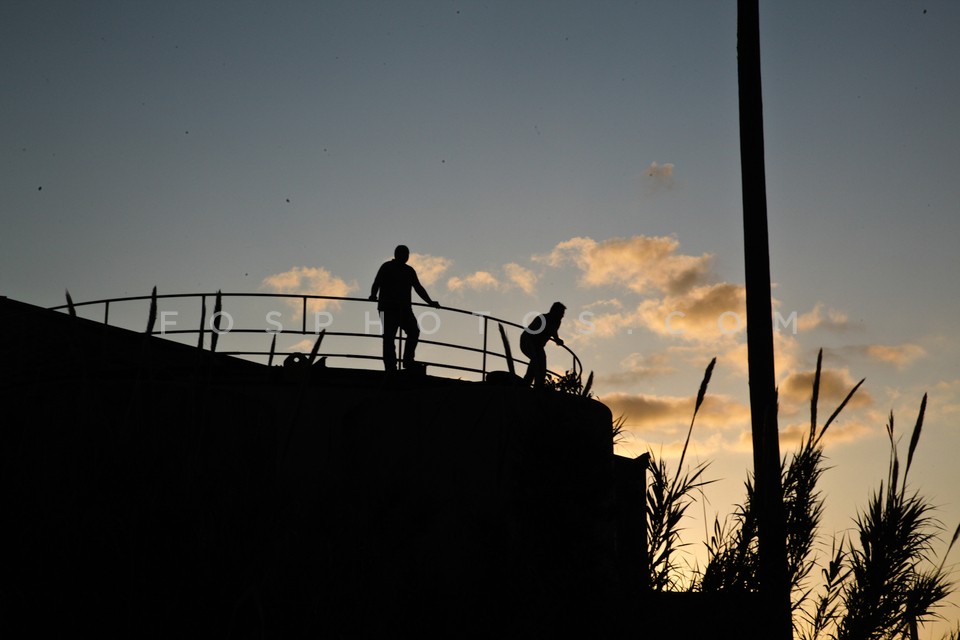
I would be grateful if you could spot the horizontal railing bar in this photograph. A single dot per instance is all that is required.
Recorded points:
(168, 296)
(358, 356)
(334, 334)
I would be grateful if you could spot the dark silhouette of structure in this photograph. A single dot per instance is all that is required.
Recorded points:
(534, 339)
(392, 291)
(154, 489)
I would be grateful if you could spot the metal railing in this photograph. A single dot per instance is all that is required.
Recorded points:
(211, 327)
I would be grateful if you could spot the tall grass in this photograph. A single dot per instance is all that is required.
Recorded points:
(669, 495)
(894, 585)
(152, 314)
(72, 310)
(880, 583)
(570, 382)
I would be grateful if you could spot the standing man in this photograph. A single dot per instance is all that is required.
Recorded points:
(394, 281)
(533, 340)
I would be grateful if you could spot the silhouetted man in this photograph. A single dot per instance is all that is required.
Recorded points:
(534, 339)
(394, 281)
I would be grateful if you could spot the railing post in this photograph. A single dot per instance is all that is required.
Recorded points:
(399, 337)
(486, 322)
(303, 319)
(203, 321)
(106, 312)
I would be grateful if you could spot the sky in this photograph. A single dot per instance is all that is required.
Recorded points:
(526, 152)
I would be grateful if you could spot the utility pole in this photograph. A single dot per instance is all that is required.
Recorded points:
(774, 584)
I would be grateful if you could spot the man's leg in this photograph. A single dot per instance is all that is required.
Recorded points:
(525, 350)
(528, 350)
(538, 368)
(390, 325)
(537, 365)
(412, 329)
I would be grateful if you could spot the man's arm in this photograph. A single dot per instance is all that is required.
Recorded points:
(555, 336)
(423, 292)
(376, 284)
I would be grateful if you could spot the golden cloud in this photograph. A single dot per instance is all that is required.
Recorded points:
(645, 412)
(663, 423)
(310, 281)
(709, 312)
(604, 325)
(303, 346)
(949, 392)
(835, 384)
(515, 275)
(816, 318)
(899, 355)
(786, 355)
(522, 278)
(706, 313)
(640, 263)
(429, 268)
(477, 281)
(636, 367)
(840, 432)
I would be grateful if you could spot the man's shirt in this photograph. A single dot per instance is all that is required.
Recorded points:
(394, 282)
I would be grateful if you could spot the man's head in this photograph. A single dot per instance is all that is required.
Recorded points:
(401, 253)
(557, 309)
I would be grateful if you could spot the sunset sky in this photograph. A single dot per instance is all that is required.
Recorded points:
(527, 152)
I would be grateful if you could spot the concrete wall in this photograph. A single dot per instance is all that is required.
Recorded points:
(151, 489)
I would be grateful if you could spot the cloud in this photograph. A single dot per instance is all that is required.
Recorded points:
(605, 325)
(612, 303)
(709, 312)
(786, 354)
(429, 268)
(303, 346)
(646, 412)
(832, 320)
(523, 278)
(660, 176)
(514, 277)
(660, 423)
(660, 171)
(478, 281)
(797, 388)
(899, 355)
(642, 264)
(310, 281)
(637, 366)
(947, 396)
(704, 314)
(839, 432)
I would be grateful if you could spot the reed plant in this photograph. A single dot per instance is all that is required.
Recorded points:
(881, 583)
(669, 494)
(571, 382)
(72, 310)
(953, 634)
(894, 585)
(152, 314)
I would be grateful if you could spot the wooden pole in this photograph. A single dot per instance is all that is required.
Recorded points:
(774, 585)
